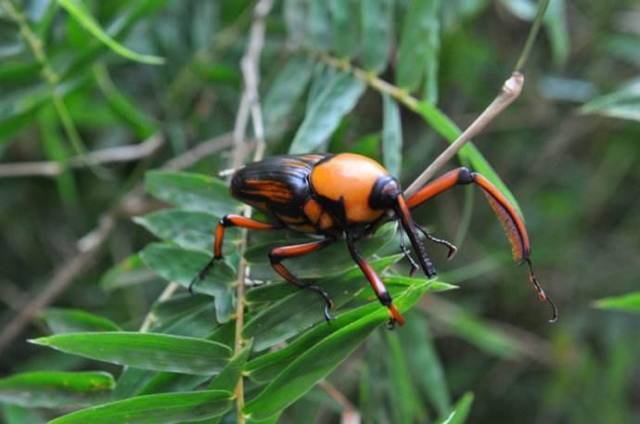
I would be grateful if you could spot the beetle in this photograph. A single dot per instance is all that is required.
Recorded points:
(347, 196)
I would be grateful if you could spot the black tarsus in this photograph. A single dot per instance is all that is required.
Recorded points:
(452, 248)
(202, 274)
(407, 254)
(541, 293)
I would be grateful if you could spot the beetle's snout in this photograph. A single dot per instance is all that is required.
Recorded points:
(384, 193)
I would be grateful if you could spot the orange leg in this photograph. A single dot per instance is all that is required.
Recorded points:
(228, 221)
(278, 254)
(376, 283)
(511, 221)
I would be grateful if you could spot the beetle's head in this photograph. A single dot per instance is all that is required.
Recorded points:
(384, 193)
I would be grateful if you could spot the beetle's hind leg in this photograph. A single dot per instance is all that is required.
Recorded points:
(278, 254)
(228, 221)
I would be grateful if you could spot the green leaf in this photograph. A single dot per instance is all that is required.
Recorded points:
(284, 94)
(181, 266)
(14, 414)
(191, 191)
(78, 11)
(300, 376)
(392, 136)
(266, 366)
(188, 229)
(55, 389)
(624, 103)
(331, 260)
(335, 100)
(377, 33)
(159, 352)
(555, 22)
(318, 29)
(128, 272)
(300, 310)
(151, 409)
(55, 150)
(229, 376)
(469, 153)
(344, 30)
(460, 411)
(419, 48)
(401, 393)
(482, 335)
(61, 320)
(143, 125)
(422, 355)
(629, 302)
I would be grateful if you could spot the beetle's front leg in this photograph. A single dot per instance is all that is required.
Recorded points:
(276, 256)
(228, 221)
(376, 283)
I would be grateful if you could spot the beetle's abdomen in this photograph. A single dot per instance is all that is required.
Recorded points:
(349, 178)
(277, 186)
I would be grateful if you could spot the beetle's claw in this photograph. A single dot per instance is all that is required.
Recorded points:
(327, 315)
(391, 324)
(202, 274)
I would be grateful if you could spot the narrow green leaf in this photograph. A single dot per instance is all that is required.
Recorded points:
(623, 103)
(159, 352)
(61, 320)
(629, 302)
(460, 411)
(419, 48)
(401, 393)
(124, 107)
(55, 389)
(181, 266)
(336, 99)
(392, 136)
(229, 376)
(329, 261)
(268, 365)
(14, 414)
(299, 377)
(78, 11)
(128, 272)
(152, 409)
(191, 191)
(188, 229)
(283, 95)
(344, 31)
(377, 33)
(55, 150)
(423, 356)
(318, 27)
(485, 337)
(469, 153)
(299, 311)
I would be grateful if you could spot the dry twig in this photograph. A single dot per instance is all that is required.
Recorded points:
(99, 157)
(91, 244)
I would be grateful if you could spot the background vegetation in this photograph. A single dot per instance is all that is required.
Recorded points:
(102, 101)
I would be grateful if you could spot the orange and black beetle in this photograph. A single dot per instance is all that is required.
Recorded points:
(348, 196)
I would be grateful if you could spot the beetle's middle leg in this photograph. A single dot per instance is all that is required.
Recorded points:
(276, 256)
(228, 221)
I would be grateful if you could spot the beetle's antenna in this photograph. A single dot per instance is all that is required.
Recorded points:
(540, 291)
(452, 248)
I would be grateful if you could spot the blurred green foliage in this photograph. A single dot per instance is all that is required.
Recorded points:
(83, 82)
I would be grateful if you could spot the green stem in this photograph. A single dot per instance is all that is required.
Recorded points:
(533, 33)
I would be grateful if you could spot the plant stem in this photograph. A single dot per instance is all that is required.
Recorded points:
(533, 33)
(249, 108)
